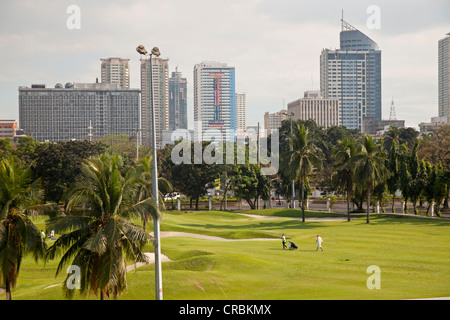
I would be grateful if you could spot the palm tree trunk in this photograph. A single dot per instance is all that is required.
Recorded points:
(7, 289)
(393, 202)
(348, 205)
(303, 200)
(368, 205)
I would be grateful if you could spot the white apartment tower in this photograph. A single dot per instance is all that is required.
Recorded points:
(158, 81)
(116, 70)
(444, 77)
(241, 111)
(214, 102)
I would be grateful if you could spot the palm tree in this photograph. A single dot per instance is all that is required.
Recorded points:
(96, 231)
(20, 198)
(345, 157)
(370, 166)
(143, 175)
(302, 160)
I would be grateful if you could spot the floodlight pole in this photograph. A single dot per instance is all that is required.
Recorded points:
(292, 149)
(158, 274)
(156, 227)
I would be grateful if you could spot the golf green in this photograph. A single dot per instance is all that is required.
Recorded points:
(411, 255)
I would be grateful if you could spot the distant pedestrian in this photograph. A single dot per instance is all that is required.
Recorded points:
(319, 242)
(52, 235)
(283, 239)
(43, 234)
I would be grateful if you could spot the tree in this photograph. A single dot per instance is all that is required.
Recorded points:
(440, 187)
(436, 149)
(59, 164)
(370, 167)
(345, 155)
(96, 231)
(400, 136)
(193, 178)
(417, 172)
(143, 172)
(249, 184)
(20, 198)
(302, 160)
(6, 149)
(26, 148)
(393, 168)
(405, 178)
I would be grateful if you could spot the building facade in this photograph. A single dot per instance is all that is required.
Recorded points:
(214, 102)
(158, 81)
(66, 112)
(177, 101)
(241, 111)
(116, 70)
(352, 74)
(8, 129)
(444, 77)
(325, 112)
(273, 121)
(429, 127)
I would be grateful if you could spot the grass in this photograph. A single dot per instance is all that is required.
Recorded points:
(412, 253)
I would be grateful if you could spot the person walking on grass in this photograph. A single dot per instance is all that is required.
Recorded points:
(319, 242)
(283, 239)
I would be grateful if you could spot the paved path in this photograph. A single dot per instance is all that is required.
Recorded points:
(166, 234)
(257, 216)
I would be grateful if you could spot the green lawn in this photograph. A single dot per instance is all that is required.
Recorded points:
(413, 255)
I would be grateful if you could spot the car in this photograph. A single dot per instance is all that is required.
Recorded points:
(171, 196)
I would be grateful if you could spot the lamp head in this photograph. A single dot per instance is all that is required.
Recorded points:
(156, 52)
(141, 49)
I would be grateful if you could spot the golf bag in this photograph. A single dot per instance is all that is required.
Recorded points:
(292, 245)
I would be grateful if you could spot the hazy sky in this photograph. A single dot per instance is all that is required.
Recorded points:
(274, 45)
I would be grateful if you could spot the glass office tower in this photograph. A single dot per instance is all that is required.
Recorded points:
(352, 74)
(177, 101)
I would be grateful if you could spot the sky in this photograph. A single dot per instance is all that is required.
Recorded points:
(274, 45)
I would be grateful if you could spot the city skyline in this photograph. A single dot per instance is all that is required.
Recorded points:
(274, 47)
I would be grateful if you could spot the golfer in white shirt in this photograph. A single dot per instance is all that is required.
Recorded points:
(319, 243)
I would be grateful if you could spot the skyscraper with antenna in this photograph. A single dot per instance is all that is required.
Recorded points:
(352, 74)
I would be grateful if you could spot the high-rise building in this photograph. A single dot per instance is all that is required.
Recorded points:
(67, 112)
(273, 121)
(352, 74)
(116, 70)
(241, 111)
(159, 81)
(325, 112)
(177, 101)
(8, 129)
(214, 101)
(444, 77)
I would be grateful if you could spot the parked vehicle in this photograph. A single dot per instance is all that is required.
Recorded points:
(171, 196)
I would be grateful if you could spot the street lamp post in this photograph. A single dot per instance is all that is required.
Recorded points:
(158, 275)
(290, 115)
